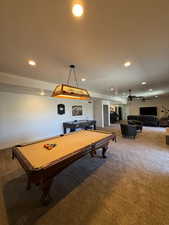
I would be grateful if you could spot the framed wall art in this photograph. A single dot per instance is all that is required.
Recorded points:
(77, 110)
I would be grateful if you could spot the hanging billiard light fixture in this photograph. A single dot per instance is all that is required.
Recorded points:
(71, 92)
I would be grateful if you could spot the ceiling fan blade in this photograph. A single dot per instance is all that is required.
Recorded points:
(130, 98)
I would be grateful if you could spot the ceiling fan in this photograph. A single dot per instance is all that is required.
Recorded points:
(131, 97)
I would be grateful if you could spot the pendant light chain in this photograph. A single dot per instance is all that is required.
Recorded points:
(75, 77)
(72, 70)
(69, 76)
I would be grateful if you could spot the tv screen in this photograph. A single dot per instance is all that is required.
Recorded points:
(148, 111)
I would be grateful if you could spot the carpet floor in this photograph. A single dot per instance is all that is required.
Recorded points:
(129, 187)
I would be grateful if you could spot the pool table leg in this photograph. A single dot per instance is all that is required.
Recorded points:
(64, 130)
(13, 155)
(28, 187)
(93, 153)
(104, 149)
(45, 197)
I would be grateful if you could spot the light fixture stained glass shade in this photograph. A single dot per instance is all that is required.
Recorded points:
(67, 91)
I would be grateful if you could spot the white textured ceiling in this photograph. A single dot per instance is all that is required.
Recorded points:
(110, 33)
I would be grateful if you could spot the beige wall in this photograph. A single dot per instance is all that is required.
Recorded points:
(133, 107)
(25, 118)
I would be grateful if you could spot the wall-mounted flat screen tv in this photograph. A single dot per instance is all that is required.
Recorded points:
(148, 111)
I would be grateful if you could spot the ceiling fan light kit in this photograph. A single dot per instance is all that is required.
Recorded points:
(131, 97)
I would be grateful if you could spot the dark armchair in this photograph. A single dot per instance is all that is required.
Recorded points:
(138, 124)
(128, 130)
(123, 129)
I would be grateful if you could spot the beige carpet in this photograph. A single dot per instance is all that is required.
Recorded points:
(130, 187)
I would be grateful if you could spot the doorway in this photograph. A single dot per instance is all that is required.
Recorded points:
(106, 115)
(120, 113)
(117, 113)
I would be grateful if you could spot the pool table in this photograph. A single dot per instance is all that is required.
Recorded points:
(42, 165)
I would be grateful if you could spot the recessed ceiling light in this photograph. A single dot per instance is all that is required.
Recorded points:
(32, 63)
(111, 89)
(77, 10)
(42, 93)
(144, 83)
(150, 89)
(83, 79)
(127, 64)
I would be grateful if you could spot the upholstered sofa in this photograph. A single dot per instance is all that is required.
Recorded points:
(164, 122)
(146, 120)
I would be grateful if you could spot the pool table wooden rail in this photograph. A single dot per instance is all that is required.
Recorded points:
(43, 176)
